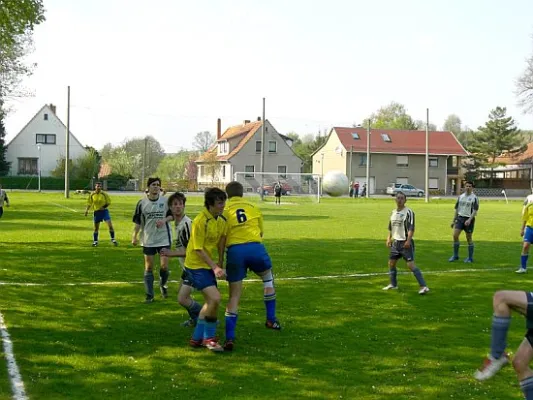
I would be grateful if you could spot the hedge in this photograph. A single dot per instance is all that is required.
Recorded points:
(47, 183)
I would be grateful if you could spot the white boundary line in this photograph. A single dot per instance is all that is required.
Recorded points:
(297, 278)
(62, 206)
(17, 385)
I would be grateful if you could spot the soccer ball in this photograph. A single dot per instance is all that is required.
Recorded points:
(335, 183)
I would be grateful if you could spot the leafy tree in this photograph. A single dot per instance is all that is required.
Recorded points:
(172, 167)
(203, 141)
(4, 165)
(524, 87)
(304, 147)
(191, 169)
(85, 167)
(421, 125)
(392, 116)
(452, 124)
(211, 165)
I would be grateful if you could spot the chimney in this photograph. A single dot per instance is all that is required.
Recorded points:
(219, 128)
(52, 107)
(246, 121)
(259, 118)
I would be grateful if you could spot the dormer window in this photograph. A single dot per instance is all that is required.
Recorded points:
(355, 136)
(46, 117)
(386, 137)
(223, 147)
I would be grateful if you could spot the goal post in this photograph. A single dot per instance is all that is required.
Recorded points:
(292, 184)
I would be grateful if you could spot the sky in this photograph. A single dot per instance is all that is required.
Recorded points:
(170, 68)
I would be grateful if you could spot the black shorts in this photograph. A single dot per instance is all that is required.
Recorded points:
(152, 251)
(1, 211)
(185, 279)
(277, 194)
(529, 318)
(460, 224)
(397, 251)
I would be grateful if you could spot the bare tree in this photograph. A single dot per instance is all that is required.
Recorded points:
(203, 141)
(524, 87)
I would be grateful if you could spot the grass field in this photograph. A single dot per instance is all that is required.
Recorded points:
(80, 330)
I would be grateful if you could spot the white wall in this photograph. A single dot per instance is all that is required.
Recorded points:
(24, 144)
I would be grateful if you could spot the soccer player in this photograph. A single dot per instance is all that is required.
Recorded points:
(244, 237)
(466, 209)
(3, 199)
(150, 220)
(277, 192)
(99, 201)
(182, 223)
(503, 303)
(207, 231)
(401, 243)
(527, 233)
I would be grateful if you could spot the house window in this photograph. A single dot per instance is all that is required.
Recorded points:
(272, 146)
(223, 171)
(27, 166)
(434, 162)
(282, 171)
(223, 147)
(201, 170)
(434, 183)
(386, 137)
(249, 171)
(454, 161)
(46, 117)
(402, 181)
(402, 161)
(258, 146)
(362, 161)
(42, 138)
(355, 136)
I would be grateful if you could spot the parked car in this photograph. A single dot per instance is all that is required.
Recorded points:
(409, 190)
(286, 189)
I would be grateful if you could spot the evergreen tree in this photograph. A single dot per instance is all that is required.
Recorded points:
(4, 165)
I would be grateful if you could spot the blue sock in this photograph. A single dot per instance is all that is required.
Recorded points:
(198, 333)
(163, 277)
(500, 326)
(523, 260)
(231, 323)
(270, 305)
(471, 250)
(418, 275)
(456, 249)
(112, 234)
(149, 283)
(527, 387)
(95, 236)
(393, 272)
(194, 310)
(210, 328)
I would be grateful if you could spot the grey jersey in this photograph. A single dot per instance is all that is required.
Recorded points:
(401, 222)
(147, 213)
(3, 197)
(466, 205)
(182, 235)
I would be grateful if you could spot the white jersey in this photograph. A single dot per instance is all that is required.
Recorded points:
(147, 213)
(3, 197)
(182, 235)
(401, 222)
(466, 205)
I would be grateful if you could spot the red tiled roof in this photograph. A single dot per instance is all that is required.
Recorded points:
(402, 142)
(246, 131)
(525, 158)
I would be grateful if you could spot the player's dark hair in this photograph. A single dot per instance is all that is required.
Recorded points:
(152, 180)
(469, 182)
(212, 195)
(398, 193)
(234, 189)
(176, 196)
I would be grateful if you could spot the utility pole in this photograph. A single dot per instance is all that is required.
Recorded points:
(351, 155)
(368, 159)
(427, 155)
(67, 143)
(262, 167)
(144, 162)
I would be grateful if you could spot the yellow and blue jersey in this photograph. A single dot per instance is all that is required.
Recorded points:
(97, 201)
(206, 232)
(244, 222)
(527, 215)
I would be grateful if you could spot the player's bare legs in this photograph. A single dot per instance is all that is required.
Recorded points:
(111, 232)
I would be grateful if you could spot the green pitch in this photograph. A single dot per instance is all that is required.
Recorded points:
(80, 330)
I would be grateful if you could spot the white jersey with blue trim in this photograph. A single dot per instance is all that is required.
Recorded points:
(147, 213)
(466, 205)
(182, 235)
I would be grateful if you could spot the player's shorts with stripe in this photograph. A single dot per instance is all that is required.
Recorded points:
(244, 257)
(398, 251)
(101, 215)
(460, 224)
(185, 280)
(152, 251)
(201, 278)
(528, 234)
(529, 318)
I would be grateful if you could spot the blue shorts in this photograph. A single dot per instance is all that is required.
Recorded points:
(397, 251)
(201, 278)
(460, 224)
(101, 215)
(152, 251)
(244, 257)
(528, 234)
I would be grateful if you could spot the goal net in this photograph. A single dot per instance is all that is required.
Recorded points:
(292, 184)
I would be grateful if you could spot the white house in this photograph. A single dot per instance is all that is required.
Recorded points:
(44, 138)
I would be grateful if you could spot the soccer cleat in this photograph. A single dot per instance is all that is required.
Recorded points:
(469, 260)
(115, 243)
(521, 271)
(190, 323)
(95, 244)
(148, 300)
(196, 343)
(490, 367)
(390, 287)
(423, 290)
(453, 258)
(228, 345)
(212, 345)
(273, 325)
(164, 291)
